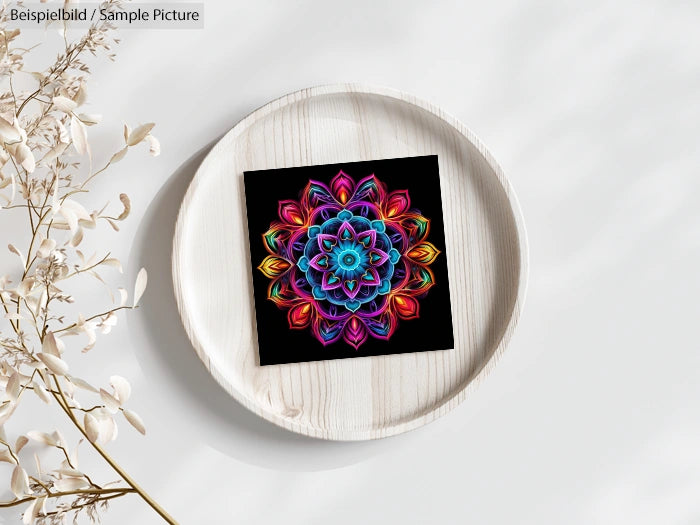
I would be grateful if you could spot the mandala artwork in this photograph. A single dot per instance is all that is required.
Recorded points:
(349, 260)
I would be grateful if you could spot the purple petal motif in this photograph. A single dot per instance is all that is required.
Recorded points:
(370, 188)
(321, 262)
(371, 277)
(351, 287)
(346, 232)
(326, 242)
(316, 193)
(330, 281)
(377, 257)
(367, 238)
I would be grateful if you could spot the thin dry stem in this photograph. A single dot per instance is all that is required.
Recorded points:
(39, 118)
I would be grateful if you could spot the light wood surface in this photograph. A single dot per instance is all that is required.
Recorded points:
(362, 398)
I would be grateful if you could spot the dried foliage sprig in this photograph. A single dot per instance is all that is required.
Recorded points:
(45, 169)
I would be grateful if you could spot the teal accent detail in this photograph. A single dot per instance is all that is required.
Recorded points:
(342, 258)
(364, 238)
(348, 260)
(385, 287)
(353, 305)
(394, 255)
(379, 226)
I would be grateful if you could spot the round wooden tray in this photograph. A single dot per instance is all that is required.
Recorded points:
(370, 397)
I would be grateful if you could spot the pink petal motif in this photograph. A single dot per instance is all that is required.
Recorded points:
(397, 203)
(377, 257)
(367, 238)
(291, 213)
(355, 332)
(346, 232)
(370, 277)
(351, 287)
(330, 281)
(320, 262)
(342, 187)
(326, 242)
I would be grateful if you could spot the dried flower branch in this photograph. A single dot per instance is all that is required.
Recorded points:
(42, 173)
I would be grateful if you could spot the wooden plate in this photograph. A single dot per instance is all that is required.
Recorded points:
(363, 398)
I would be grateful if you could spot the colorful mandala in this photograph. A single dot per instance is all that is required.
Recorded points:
(348, 260)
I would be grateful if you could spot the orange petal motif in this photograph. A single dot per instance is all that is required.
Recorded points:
(424, 253)
(406, 307)
(299, 316)
(274, 266)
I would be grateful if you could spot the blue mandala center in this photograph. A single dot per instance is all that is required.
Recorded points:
(348, 260)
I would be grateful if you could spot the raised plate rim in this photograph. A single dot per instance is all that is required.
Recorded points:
(447, 403)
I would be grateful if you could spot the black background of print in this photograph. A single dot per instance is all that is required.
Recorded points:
(278, 343)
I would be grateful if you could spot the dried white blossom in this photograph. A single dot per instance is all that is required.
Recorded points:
(46, 167)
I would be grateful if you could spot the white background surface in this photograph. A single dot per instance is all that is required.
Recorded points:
(590, 417)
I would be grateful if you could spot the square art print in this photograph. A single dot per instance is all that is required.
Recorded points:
(348, 260)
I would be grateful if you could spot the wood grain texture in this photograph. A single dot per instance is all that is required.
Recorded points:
(363, 398)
